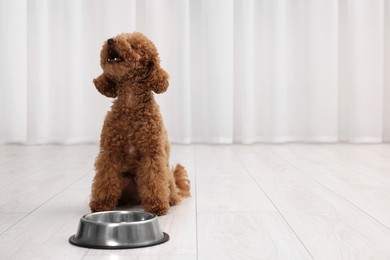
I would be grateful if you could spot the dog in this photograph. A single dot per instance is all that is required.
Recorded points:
(133, 161)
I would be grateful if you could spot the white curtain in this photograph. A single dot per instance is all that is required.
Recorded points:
(241, 71)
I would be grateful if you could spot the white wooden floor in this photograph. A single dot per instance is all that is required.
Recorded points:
(295, 201)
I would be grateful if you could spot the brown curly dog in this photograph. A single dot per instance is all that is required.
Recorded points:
(133, 163)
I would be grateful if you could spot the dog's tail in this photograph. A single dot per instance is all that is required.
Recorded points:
(182, 181)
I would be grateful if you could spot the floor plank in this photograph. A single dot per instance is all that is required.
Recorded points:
(370, 160)
(29, 192)
(328, 226)
(8, 220)
(247, 235)
(19, 162)
(366, 193)
(44, 233)
(223, 185)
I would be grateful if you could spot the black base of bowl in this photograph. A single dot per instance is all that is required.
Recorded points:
(74, 241)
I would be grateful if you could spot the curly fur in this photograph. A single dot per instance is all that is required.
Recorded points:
(133, 162)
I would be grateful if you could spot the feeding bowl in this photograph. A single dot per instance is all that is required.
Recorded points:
(118, 230)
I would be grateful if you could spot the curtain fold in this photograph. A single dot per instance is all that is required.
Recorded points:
(241, 71)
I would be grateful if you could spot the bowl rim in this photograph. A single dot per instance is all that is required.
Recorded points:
(84, 219)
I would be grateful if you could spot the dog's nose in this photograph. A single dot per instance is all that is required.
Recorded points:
(110, 41)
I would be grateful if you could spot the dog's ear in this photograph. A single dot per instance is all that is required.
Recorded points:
(156, 78)
(105, 86)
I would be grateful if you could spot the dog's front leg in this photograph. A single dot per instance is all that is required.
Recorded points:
(105, 86)
(106, 186)
(153, 185)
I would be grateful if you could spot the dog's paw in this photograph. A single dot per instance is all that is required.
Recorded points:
(97, 206)
(158, 209)
(174, 200)
(105, 86)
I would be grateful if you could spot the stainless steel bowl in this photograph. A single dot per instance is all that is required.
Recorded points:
(118, 230)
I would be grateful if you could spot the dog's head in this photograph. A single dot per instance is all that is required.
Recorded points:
(133, 57)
